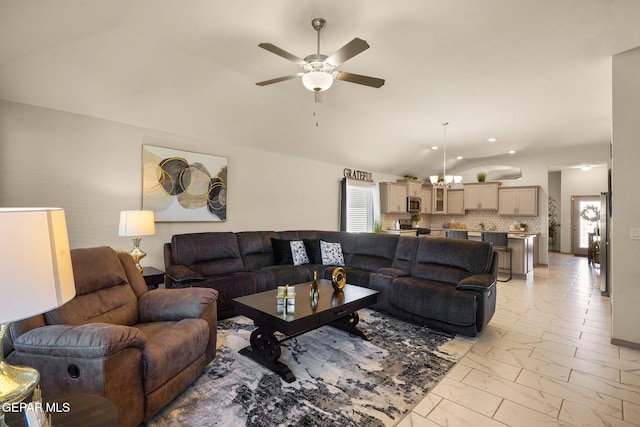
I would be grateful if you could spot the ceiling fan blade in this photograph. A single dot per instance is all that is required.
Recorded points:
(347, 51)
(278, 80)
(359, 79)
(283, 53)
(320, 96)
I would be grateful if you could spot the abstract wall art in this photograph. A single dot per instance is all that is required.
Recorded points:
(183, 186)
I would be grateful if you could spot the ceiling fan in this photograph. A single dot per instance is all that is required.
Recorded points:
(320, 70)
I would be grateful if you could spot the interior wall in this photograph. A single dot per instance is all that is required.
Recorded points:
(92, 168)
(575, 182)
(625, 252)
(555, 193)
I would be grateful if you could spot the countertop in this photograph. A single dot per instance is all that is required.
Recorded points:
(511, 234)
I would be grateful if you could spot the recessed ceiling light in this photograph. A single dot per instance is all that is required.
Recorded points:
(459, 158)
(435, 147)
(492, 139)
(512, 151)
(585, 168)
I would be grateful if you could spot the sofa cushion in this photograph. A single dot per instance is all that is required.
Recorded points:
(282, 254)
(433, 300)
(96, 268)
(280, 275)
(104, 294)
(331, 253)
(298, 253)
(210, 254)
(234, 285)
(451, 260)
(256, 249)
(312, 246)
(171, 346)
(346, 240)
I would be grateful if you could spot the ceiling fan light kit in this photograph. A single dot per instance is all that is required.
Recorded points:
(319, 70)
(317, 81)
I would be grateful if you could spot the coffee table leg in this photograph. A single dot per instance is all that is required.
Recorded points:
(348, 323)
(265, 349)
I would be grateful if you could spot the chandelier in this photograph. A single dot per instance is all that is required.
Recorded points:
(446, 181)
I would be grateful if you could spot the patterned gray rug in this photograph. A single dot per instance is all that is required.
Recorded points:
(342, 380)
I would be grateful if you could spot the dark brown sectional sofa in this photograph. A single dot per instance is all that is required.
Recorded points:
(448, 284)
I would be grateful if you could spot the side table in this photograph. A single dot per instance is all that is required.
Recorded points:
(153, 277)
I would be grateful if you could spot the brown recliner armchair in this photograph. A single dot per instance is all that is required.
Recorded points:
(138, 348)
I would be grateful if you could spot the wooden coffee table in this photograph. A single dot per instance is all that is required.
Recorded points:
(338, 310)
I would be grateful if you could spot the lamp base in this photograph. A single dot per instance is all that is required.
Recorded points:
(16, 382)
(137, 254)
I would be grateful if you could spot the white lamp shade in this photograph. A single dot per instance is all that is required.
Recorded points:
(317, 81)
(433, 179)
(37, 275)
(136, 223)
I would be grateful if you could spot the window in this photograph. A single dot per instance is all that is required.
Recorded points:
(357, 206)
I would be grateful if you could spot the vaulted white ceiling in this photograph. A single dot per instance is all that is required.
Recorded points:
(536, 74)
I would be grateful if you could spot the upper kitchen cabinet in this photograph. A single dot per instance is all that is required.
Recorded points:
(439, 200)
(521, 201)
(413, 186)
(425, 197)
(393, 197)
(481, 196)
(455, 202)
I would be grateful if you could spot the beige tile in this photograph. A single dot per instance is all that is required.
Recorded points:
(467, 396)
(614, 362)
(610, 388)
(448, 413)
(521, 359)
(427, 404)
(631, 413)
(490, 366)
(518, 393)
(586, 366)
(580, 415)
(515, 415)
(415, 420)
(572, 392)
(458, 372)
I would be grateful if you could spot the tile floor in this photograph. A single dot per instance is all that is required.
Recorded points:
(545, 359)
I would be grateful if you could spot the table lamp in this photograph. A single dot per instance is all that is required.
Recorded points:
(37, 277)
(136, 224)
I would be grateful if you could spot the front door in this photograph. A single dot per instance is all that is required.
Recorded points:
(585, 218)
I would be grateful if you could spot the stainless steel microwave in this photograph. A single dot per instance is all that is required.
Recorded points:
(414, 204)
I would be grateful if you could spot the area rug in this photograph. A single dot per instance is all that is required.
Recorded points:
(342, 380)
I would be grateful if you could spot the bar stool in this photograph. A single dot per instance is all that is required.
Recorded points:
(457, 234)
(500, 243)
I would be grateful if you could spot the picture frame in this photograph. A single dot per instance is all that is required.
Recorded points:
(180, 185)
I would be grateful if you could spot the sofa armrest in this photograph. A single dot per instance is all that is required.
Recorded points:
(477, 282)
(92, 340)
(175, 304)
(394, 272)
(183, 275)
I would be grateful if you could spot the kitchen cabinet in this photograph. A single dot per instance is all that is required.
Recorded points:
(413, 186)
(439, 200)
(455, 202)
(425, 196)
(393, 197)
(520, 201)
(523, 255)
(481, 196)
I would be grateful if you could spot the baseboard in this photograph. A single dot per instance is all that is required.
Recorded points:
(623, 343)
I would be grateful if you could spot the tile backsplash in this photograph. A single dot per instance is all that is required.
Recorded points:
(471, 220)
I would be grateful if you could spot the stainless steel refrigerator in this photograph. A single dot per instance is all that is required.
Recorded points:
(605, 230)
